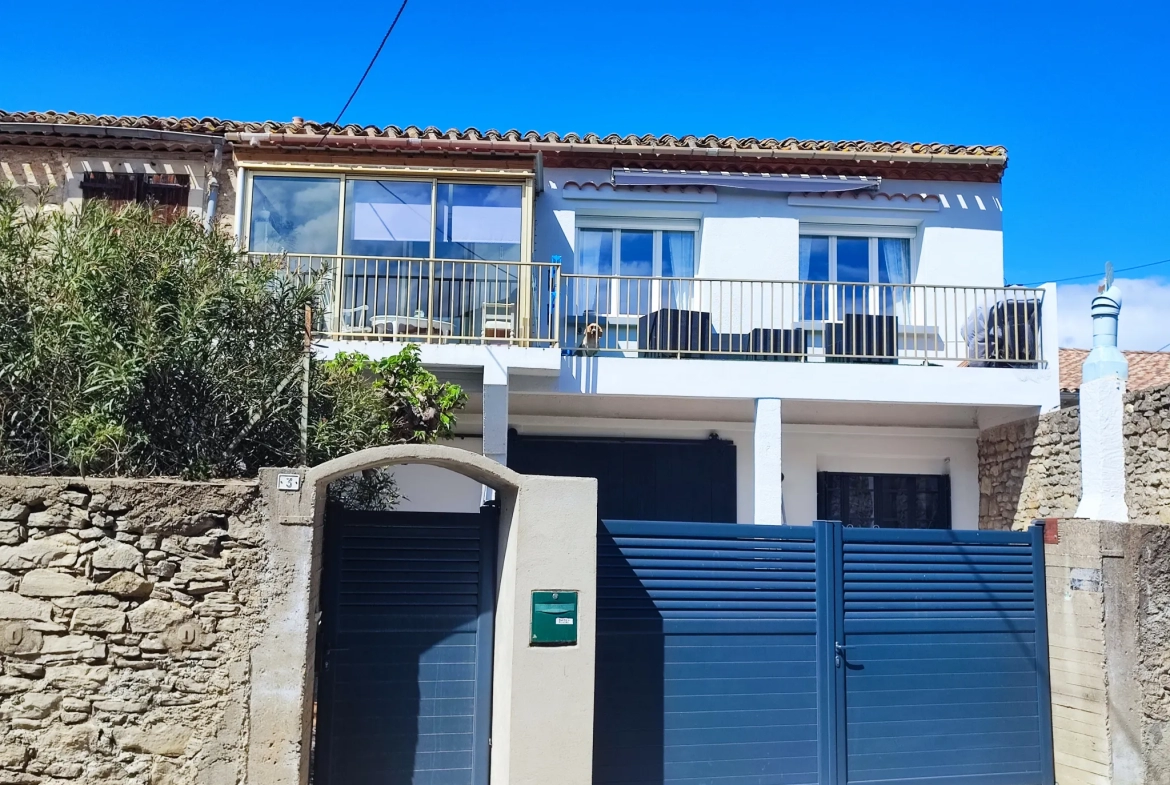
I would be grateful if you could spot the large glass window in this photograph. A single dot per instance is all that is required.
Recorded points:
(399, 219)
(387, 218)
(478, 222)
(294, 215)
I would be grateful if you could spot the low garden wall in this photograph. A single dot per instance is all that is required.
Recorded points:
(127, 613)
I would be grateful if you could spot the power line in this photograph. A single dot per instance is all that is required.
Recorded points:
(373, 60)
(1098, 275)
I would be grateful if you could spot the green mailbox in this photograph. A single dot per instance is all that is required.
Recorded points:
(554, 618)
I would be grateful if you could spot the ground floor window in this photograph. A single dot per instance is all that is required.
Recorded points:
(886, 501)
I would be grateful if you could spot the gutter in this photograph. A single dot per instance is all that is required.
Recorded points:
(111, 132)
(535, 148)
(213, 186)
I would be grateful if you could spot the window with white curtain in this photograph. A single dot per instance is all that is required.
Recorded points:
(853, 262)
(644, 261)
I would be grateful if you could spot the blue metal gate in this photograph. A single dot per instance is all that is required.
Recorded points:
(779, 655)
(405, 678)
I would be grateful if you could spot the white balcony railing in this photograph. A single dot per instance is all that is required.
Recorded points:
(431, 300)
(802, 320)
(534, 304)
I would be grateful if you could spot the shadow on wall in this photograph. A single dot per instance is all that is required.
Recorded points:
(629, 733)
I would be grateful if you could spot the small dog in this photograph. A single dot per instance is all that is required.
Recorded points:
(592, 340)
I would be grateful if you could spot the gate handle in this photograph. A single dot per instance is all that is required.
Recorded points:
(839, 649)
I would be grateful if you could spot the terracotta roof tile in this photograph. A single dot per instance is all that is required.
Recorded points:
(213, 125)
(1146, 369)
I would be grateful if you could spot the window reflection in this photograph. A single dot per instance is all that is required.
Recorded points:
(478, 222)
(387, 218)
(294, 215)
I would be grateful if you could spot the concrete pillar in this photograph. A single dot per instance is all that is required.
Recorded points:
(282, 662)
(769, 500)
(495, 419)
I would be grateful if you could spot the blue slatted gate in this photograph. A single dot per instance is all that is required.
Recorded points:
(405, 680)
(777, 655)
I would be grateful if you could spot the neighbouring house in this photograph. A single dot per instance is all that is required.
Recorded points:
(1146, 370)
(718, 329)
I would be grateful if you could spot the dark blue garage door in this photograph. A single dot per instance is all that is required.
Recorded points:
(642, 479)
(773, 655)
(405, 666)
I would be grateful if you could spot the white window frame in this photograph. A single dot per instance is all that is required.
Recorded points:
(871, 232)
(616, 225)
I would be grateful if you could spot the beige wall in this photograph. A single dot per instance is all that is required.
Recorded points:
(1108, 585)
(547, 541)
(58, 173)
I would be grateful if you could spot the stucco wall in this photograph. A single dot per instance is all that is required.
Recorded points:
(753, 235)
(1031, 468)
(127, 610)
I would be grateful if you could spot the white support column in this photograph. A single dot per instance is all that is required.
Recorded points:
(1102, 408)
(769, 500)
(495, 418)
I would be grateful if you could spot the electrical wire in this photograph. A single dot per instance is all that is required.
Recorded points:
(1098, 275)
(361, 81)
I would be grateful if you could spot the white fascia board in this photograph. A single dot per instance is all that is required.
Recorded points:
(520, 360)
(800, 381)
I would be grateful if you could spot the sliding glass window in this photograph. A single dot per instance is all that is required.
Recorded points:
(478, 222)
(294, 215)
(387, 218)
(398, 219)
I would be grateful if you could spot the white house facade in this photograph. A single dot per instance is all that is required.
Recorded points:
(737, 330)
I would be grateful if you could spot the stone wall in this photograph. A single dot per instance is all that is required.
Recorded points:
(1147, 455)
(1031, 468)
(127, 613)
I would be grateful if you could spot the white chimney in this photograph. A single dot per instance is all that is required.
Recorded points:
(1102, 408)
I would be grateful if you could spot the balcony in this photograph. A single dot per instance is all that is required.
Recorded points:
(534, 304)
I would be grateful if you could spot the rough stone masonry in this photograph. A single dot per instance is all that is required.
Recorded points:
(127, 612)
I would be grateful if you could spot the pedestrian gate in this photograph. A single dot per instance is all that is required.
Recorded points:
(405, 662)
(781, 655)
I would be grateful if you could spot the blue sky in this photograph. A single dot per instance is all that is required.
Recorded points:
(1078, 93)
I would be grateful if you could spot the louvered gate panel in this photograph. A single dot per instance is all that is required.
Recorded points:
(405, 690)
(946, 657)
(706, 655)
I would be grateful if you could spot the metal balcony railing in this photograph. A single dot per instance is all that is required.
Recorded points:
(430, 300)
(802, 320)
(534, 304)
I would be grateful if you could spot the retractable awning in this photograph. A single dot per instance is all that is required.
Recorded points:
(775, 183)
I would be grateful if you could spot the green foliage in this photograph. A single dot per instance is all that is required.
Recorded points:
(133, 347)
(358, 402)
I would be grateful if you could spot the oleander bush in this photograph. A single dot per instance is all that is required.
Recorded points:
(136, 347)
